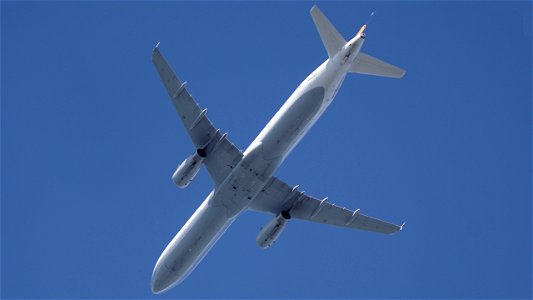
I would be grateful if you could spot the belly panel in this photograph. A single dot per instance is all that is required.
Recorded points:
(292, 123)
(190, 245)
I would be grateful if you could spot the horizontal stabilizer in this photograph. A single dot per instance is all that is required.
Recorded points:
(331, 38)
(366, 64)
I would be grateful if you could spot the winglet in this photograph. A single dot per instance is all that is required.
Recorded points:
(157, 45)
(401, 226)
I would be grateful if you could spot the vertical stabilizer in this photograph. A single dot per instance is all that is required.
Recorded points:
(331, 38)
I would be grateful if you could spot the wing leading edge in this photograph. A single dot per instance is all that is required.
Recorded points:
(278, 196)
(222, 155)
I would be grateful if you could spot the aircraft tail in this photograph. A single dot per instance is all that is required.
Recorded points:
(366, 64)
(332, 39)
(363, 63)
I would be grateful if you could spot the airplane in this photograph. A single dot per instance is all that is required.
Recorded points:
(244, 180)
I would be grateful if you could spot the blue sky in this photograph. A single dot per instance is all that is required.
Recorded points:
(90, 140)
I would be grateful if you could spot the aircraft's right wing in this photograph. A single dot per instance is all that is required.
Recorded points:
(222, 155)
(278, 196)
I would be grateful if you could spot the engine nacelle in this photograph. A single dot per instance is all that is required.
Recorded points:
(270, 233)
(188, 169)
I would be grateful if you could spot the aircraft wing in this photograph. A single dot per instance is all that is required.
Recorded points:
(278, 196)
(222, 155)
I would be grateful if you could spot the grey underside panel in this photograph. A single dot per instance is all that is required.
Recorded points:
(222, 155)
(278, 196)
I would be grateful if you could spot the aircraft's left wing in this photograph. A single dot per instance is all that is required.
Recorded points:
(278, 196)
(222, 155)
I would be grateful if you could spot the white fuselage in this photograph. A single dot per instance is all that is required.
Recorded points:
(261, 159)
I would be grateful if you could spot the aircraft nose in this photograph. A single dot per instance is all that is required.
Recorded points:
(162, 279)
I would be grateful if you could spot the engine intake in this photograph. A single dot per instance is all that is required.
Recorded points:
(188, 169)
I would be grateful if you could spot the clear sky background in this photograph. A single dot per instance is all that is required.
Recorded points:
(90, 140)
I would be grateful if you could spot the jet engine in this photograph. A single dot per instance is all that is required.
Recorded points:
(188, 169)
(271, 232)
